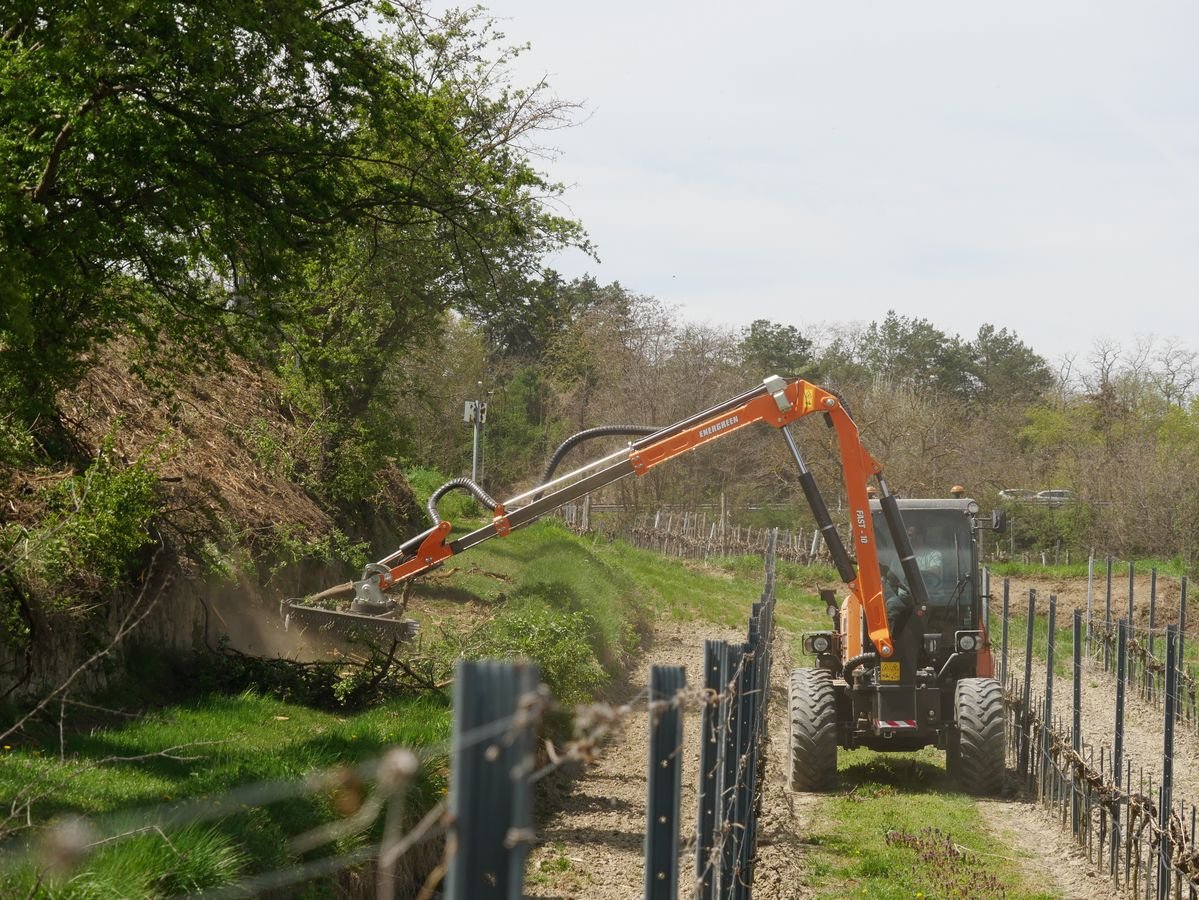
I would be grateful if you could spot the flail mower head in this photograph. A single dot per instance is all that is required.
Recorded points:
(371, 615)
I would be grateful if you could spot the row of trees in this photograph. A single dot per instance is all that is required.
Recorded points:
(1117, 427)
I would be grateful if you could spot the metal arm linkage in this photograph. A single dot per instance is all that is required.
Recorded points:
(777, 402)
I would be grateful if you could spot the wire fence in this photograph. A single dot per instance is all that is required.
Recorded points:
(700, 534)
(474, 843)
(1125, 818)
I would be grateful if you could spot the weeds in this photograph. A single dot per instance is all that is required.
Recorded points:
(949, 869)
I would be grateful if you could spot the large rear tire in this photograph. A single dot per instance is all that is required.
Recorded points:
(975, 756)
(813, 730)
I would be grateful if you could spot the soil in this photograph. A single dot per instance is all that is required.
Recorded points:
(1143, 720)
(1143, 728)
(1071, 594)
(1044, 853)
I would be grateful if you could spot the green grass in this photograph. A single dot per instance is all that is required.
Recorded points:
(260, 739)
(722, 590)
(579, 606)
(872, 838)
(617, 590)
(1174, 568)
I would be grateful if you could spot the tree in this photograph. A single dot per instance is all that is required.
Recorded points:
(768, 348)
(1005, 369)
(190, 169)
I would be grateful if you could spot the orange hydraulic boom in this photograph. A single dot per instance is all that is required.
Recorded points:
(777, 402)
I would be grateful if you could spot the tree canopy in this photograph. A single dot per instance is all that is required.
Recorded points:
(205, 169)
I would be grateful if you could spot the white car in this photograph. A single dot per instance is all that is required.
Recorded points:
(1016, 494)
(1056, 497)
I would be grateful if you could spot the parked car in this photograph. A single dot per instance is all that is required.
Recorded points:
(1056, 497)
(1016, 494)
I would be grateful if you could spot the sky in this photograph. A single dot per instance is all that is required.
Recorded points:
(1033, 165)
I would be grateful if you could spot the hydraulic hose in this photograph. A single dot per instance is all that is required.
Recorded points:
(854, 661)
(599, 431)
(463, 484)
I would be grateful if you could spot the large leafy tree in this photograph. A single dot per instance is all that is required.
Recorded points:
(162, 160)
(193, 168)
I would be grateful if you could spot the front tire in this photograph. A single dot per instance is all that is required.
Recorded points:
(975, 756)
(813, 730)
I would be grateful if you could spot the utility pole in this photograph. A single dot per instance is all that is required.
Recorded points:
(475, 414)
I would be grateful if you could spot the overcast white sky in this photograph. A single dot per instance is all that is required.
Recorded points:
(1034, 165)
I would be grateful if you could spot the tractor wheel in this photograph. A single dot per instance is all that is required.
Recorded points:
(813, 730)
(975, 756)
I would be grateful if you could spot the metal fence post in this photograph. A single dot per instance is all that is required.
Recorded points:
(490, 800)
(1076, 743)
(708, 800)
(1131, 591)
(1152, 609)
(730, 714)
(986, 598)
(1026, 701)
(664, 782)
(1090, 595)
(1107, 639)
(742, 795)
(1182, 635)
(1047, 721)
(1118, 748)
(1164, 861)
(1007, 586)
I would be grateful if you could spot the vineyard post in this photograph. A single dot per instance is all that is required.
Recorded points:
(1007, 586)
(986, 598)
(1165, 807)
(1107, 642)
(664, 783)
(1131, 591)
(709, 761)
(1152, 609)
(1026, 703)
(490, 797)
(1182, 633)
(1047, 721)
(1076, 734)
(724, 885)
(1118, 749)
(1090, 595)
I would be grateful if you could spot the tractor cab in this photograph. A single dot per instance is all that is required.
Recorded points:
(942, 534)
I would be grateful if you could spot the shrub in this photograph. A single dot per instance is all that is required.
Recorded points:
(559, 642)
(93, 527)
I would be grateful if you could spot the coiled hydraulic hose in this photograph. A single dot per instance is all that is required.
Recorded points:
(463, 484)
(474, 489)
(854, 661)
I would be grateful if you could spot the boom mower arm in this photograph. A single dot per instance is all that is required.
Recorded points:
(777, 402)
